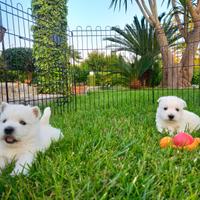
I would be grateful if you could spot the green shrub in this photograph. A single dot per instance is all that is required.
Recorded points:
(19, 59)
(17, 64)
(8, 75)
(106, 79)
(80, 75)
(50, 45)
(95, 61)
(156, 74)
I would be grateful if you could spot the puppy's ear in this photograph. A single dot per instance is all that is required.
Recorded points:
(36, 111)
(183, 103)
(160, 99)
(3, 106)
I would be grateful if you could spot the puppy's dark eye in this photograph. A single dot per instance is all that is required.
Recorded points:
(177, 109)
(165, 108)
(4, 121)
(22, 122)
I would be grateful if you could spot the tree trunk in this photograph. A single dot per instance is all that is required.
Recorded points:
(29, 77)
(187, 61)
(178, 75)
(170, 69)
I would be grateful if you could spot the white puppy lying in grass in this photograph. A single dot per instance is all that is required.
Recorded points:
(171, 116)
(22, 134)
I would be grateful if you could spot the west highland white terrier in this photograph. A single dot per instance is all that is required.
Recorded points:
(172, 118)
(22, 134)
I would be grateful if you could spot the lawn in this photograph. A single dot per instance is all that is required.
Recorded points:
(108, 154)
(118, 97)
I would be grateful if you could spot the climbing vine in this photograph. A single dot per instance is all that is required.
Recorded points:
(50, 44)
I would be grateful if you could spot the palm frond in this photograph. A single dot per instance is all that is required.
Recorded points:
(114, 4)
(138, 37)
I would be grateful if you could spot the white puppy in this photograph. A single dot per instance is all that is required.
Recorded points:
(171, 116)
(23, 134)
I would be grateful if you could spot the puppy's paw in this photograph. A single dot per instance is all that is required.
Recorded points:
(15, 172)
(19, 170)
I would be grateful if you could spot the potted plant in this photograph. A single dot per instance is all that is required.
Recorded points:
(135, 84)
(80, 89)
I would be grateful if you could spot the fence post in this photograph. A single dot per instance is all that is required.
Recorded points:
(73, 75)
(7, 96)
(2, 33)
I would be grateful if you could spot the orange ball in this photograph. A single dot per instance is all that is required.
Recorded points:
(194, 145)
(165, 142)
(198, 140)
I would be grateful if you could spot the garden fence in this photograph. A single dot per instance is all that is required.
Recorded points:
(93, 74)
(21, 79)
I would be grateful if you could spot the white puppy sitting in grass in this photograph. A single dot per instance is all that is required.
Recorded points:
(172, 118)
(22, 134)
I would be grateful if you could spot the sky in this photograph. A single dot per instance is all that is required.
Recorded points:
(96, 13)
(84, 13)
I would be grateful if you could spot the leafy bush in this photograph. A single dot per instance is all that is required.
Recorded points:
(107, 79)
(50, 47)
(156, 74)
(80, 75)
(99, 62)
(104, 67)
(17, 64)
(95, 61)
(19, 59)
(9, 75)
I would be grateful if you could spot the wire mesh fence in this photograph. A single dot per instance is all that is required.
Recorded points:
(93, 71)
(108, 75)
(26, 77)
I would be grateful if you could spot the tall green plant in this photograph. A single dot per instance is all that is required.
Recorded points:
(50, 44)
(140, 39)
(145, 69)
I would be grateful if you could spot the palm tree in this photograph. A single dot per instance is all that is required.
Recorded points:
(136, 74)
(174, 75)
(140, 39)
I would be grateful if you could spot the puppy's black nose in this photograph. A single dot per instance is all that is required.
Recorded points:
(171, 117)
(8, 130)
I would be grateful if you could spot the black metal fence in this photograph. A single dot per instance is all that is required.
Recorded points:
(95, 74)
(21, 80)
(102, 79)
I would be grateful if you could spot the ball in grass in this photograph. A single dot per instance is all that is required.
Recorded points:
(182, 139)
(165, 142)
(194, 145)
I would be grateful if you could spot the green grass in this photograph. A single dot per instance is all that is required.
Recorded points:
(108, 154)
(118, 97)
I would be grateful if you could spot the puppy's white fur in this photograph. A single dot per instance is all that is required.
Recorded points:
(30, 135)
(183, 120)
